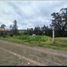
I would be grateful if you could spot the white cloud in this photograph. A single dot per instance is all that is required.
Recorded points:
(29, 13)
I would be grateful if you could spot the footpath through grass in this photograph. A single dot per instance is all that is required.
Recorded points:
(39, 41)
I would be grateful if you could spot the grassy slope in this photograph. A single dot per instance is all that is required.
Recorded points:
(39, 41)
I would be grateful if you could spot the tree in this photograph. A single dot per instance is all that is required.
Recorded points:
(30, 31)
(46, 30)
(37, 30)
(3, 32)
(11, 30)
(60, 21)
(14, 28)
(11, 27)
(3, 26)
(43, 29)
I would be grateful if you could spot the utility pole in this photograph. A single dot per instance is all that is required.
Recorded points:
(53, 34)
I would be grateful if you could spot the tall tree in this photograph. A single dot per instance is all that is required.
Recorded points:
(15, 29)
(60, 20)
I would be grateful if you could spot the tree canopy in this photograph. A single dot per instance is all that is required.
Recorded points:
(59, 21)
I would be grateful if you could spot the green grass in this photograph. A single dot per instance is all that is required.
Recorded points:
(39, 41)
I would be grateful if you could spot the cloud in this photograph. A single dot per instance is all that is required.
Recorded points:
(29, 13)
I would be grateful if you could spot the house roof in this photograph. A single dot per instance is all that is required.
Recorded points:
(2, 29)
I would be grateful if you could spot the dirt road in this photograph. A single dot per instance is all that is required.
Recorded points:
(18, 54)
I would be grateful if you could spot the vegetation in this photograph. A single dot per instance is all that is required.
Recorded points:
(42, 37)
(59, 21)
(39, 41)
(12, 31)
(39, 31)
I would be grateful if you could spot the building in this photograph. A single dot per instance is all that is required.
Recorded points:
(4, 31)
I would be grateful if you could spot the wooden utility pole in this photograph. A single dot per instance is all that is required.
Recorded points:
(53, 34)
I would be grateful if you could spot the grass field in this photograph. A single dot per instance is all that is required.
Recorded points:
(39, 41)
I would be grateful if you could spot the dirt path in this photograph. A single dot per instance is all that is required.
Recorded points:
(29, 61)
(35, 56)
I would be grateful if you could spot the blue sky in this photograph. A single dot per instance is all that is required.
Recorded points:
(29, 13)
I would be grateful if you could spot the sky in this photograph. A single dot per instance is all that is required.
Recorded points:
(29, 13)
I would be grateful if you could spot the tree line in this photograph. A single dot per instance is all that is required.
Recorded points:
(59, 21)
(45, 30)
(12, 31)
